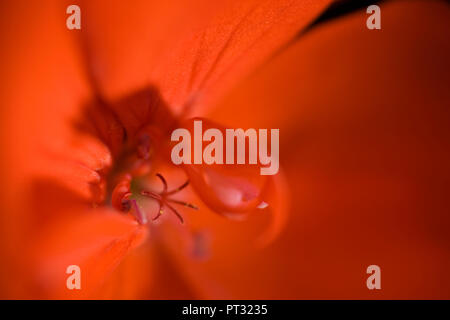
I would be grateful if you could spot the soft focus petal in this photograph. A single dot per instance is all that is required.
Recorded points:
(52, 173)
(95, 241)
(364, 129)
(45, 86)
(189, 50)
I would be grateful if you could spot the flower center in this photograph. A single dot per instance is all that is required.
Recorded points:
(136, 129)
(123, 199)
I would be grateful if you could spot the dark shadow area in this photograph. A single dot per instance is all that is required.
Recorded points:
(339, 9)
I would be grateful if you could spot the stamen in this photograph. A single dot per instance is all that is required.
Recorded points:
(160, 212)
(151, 194)
(176, 212)
(164, 182)
(184, 185)
(163, 200)
(186, 204)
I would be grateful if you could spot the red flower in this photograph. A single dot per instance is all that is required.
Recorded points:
(364, 147)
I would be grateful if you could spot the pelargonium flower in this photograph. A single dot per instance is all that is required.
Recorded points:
(88, 179)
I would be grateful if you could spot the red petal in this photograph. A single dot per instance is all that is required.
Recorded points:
(95, 240)
(187, 48)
